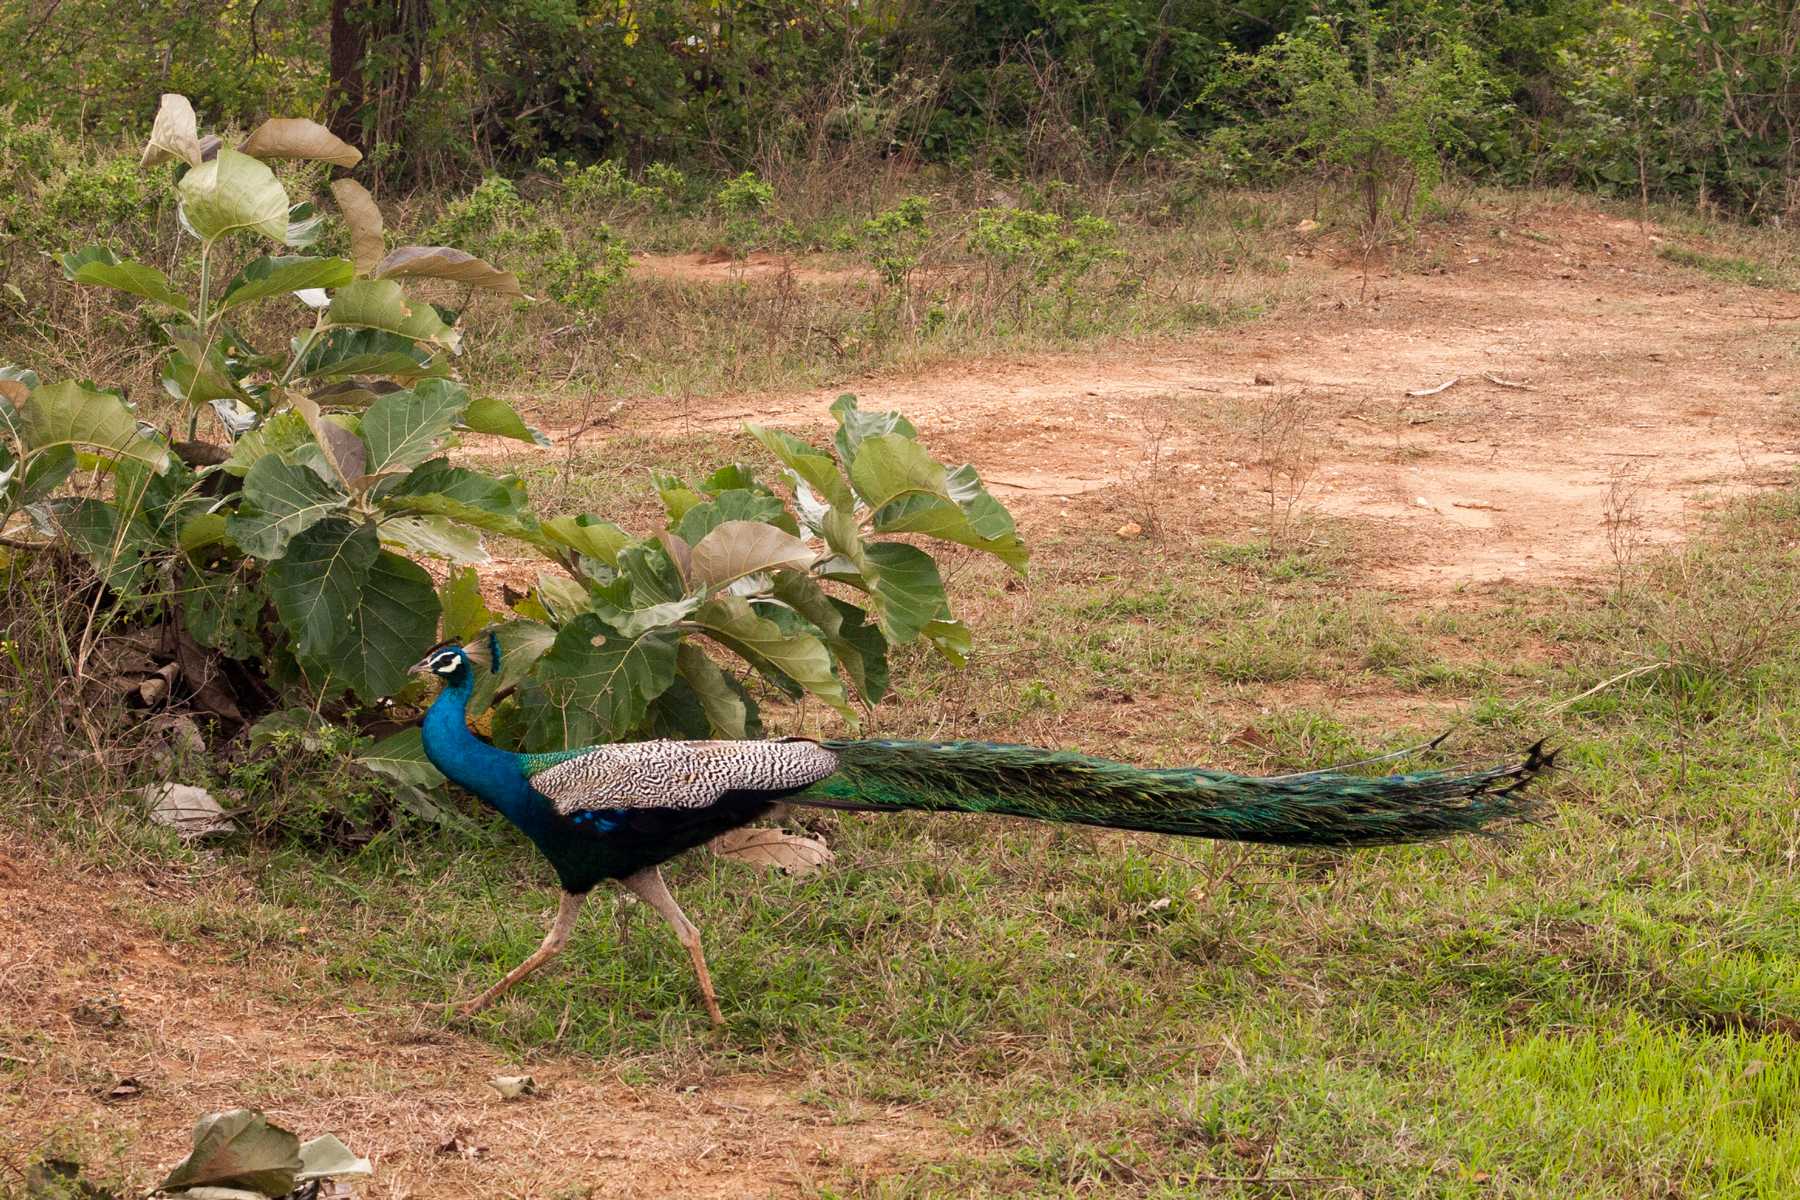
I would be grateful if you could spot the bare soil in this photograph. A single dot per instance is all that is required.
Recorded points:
(128, 1039)
(1648, 392)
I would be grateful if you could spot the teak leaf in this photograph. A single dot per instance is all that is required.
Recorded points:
(99, 266)
(764, 846)
(735, 549)
(442, 262)
(67, 414)
(364, 221)
(238, 1148)
(233, 192)
(297, 137)
(174, 134)
(272, 276)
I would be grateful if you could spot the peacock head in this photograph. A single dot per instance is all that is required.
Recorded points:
(450, 661)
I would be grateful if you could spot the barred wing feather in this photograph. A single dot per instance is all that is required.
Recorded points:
(675, 774)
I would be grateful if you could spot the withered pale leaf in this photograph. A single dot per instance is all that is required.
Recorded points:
(297, 137)
(174, 133)
(444, 262)
(768, 847)
(364, 220)
(511, 1087)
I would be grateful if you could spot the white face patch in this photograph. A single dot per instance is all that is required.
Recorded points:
(445, 662)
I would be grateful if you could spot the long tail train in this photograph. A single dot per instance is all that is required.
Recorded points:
(1322, 808)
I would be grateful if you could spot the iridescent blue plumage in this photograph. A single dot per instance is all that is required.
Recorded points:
(618, 812)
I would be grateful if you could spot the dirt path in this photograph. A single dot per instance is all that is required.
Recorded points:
(119, 1039)
(1649, 389)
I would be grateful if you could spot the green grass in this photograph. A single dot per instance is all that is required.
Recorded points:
(1731, 269)
(1601, 1005)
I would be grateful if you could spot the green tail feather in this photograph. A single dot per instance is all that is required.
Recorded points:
(1324, 808)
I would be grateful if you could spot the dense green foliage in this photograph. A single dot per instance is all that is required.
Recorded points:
(292, 551)
(1669, 98)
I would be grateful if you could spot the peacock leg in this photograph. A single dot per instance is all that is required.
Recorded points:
(566, 912)
(649, 886)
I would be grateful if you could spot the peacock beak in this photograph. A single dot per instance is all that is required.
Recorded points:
(422, 667)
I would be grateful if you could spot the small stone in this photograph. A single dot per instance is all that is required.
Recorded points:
(1130, 529)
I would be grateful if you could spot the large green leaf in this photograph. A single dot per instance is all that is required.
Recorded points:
(280, 500)
(856, 426)
(67, 414)
(45, 473)
(379, 304)
(911, 493)
(654, 576)
(726, 710)
(736, 504)
(439, 489)
(436, 537)
(393, 622)
(791, 661)
(735, 549)
(198, 371)
(859, 648)
(486, 414)
(904, 586)
(341, 352)
(318, 583)
(112, 545)
(233, 192)
(814, 466)
(614, 605)
(401, 757)
(596, 683)
(402, 429)
(275, 276)
(465, 612)
(281, 433)
(100, 267)
(590, 536)
(238, 1149)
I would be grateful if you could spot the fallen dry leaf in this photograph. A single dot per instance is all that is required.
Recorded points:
(511, 1087)
(190, 811)
(766, 847)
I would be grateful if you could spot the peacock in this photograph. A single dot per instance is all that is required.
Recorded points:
(620, 811)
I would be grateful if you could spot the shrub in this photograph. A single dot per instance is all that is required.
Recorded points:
(284, 562)
(1346, 103)
(1029, 252)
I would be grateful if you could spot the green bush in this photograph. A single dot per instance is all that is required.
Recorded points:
(1029, 253)
(743, 202)
(1344, 101)
(287, 555)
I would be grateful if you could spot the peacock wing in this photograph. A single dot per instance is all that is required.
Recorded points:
(638, 775)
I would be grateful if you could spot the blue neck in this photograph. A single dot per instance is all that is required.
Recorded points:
(491, 773)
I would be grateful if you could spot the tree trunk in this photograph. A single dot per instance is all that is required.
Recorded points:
(345, 94)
